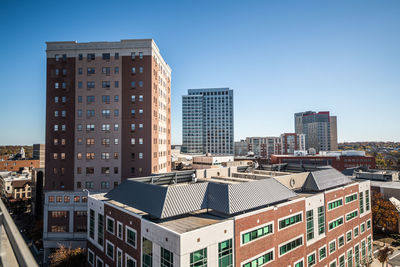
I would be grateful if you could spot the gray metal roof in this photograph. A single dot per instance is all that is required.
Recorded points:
(325, 179)
(168, 201)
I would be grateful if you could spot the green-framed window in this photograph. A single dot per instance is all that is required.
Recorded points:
(356, 232)
(310, 224)
(322, 253)
(351, 215)
(198, 258)
(336, 223)
(351, 198)
(100, 229)
(291, 220)
(335, 204)
(350, 258)
(332, 247)
(167, 258)
(147, 253)
(341, 261)
(341, 241)
(225, 258)
(290, 245)
(367, 206)
(299, 264)
(368, 224)
(321, 220)
(357, 255)
(260, 232)
(348, 236)
(362, 226)
(311, 260)
(361, 203)
(260, 261)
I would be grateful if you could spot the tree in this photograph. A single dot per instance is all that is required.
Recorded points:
(65, 257)
(384, 214)
(383, 255)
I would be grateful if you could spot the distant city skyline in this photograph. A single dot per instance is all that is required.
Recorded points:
(279, 58)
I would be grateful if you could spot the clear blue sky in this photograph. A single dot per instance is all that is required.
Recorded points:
(280, 57)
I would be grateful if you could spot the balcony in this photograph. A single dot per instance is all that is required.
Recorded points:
(14, 250)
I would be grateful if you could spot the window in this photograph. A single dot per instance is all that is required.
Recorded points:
(362, 226)
(90, 141)
(341, 261)
(290, 221)
(80, 71)
(90, 257)
(225, 254)
(130, 262)
(115, 141)
(341, 241)
(90, 127)
(367, 206)
(361, 203)
(140, 98)
(310, 224)
(257, 233)
(130, 236)
(141, 55)
(59, 214)
(332, 264)
(56, 99)
(299, 264)
(363, 251)
(132, 127)
(100, 230)
(369, 224)
(80, 99)
(105, 170)
(261, 261)
(351, 215)
(116, 70)
(106, 84)
(119, 257)
(105, 155)
(198, 258)
(116, 127)
(290, 246)
(132, 98)
(90, 99)
(140, 125)
(91, 57)
(167, 258)
(105, 127)
(140, 155)
(348, 236)
(311, 260)
(110, 249)
(133, 70)
(140, 141)
(350, 258)
(335, 223)
(110, 225)
(133, 54)
(332, 246)
(116, 112)
(64, 99)
(91, 224)
(105, 99)
(369, 247)
(335, 204)
(80, 85)
(79, 113)
(357, 255)
(116, 56)
(80, 56)
(322, 253)
(147, 253)
(321, 220)
(356, 229)
(141, 69)
(56, 128)
(116, 84)
(106, 56)
(90, 85)
(89, 170)
(119, 230)
(116, 98)
(351, 198)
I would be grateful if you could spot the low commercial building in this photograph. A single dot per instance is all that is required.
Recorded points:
(339, 160)
(15, 186)
(206, 162)
(319, 218)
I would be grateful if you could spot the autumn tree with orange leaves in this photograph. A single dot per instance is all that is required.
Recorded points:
(384, 213)
(66, 257)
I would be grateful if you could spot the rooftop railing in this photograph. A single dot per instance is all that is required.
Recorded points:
(14, 242)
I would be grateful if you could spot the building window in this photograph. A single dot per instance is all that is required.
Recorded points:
(336, 223)
(116, 98)
(119, 257)
(321, 220)
(147, 250)
(351, 198)
(356, 229)
(351, 215)
(335, 204)
(341, 261)
(369, 224)
(310, 224)
(116, 84)
(332, 247)
(348, 236)
(257, 233)
(311, 260)
(167, 258)
(140, 155)
(361, 203)
(110, 249)
(88, 185)
(119, 230)
(141, 55)
(225, 254)
(341, 241)
(290, 221)
(260, 261)
(289, 246)
(116, 56)
(130, 236)
(362, 226)
(367, 206)
(106, 56)
(198, 258)
(110, 225)
(133, 70)
(90, 257)
(105, 84)
(322, 253)
(100, 230)
(350, 258)
(140, 98)
(91, 224)
(141, 69)
(130, 262)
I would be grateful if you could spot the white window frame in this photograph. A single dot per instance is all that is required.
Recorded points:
(329, 246)
(301, 260)
(108, 217)
(336, 199)
(354, 231)
(352, 256)
(334, 261)
(126, 236)
(94, 257)
(358, 214)
(288, 216)
(254, 228)
(338, 261)
(351, 232)
(122, 257)
(122, 230)
(326, 253)
(336, 220)
(315, 257)
(259, 255)
(127, 256)
(109, 243)
(288, 241)
(350, 195)
(98, 258)
(365, 225)
(344, 241)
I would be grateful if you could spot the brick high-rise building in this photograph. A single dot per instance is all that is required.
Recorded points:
(107, 119)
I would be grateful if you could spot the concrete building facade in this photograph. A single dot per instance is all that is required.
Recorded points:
(207, 121)
(264, 147)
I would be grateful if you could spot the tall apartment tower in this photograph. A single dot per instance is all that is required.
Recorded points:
(208, 121)
(317, 128)
(107, 119)
(291, 142)
(108, 113)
